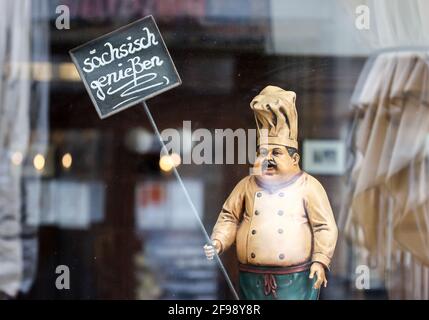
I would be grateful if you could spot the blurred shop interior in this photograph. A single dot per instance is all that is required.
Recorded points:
(94, 195)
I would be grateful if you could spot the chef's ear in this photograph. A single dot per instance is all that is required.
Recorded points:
(293, 153)
(295, 158)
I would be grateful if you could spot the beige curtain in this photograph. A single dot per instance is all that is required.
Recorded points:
(386, 213)
(390, 144)
(14, 134)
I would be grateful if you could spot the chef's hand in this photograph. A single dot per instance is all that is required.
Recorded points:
(318, 269)
(209, 249)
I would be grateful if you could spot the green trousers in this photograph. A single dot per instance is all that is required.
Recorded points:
(266, 286)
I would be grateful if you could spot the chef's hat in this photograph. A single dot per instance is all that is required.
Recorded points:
(275, 111)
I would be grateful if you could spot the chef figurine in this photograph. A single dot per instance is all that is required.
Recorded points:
(280, 219)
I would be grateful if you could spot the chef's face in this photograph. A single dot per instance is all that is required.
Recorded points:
(276, 163)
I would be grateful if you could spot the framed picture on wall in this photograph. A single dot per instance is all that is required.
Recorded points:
(326, 157)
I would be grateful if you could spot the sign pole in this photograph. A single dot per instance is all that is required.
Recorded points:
(126, 67)
(188, 198)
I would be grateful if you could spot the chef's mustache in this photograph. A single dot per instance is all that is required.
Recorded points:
(269, 164)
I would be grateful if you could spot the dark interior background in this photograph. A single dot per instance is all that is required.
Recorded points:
(223, 64)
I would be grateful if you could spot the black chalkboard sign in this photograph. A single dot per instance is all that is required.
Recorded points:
(125, 67)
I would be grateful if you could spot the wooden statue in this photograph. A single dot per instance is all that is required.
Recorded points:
(279, 218)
